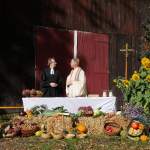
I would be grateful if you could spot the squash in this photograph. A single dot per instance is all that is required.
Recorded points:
(81, 136)
(144, 138)
(69, 136)
(81, 128)
(46, 136)
(57, 136)
(38, 133)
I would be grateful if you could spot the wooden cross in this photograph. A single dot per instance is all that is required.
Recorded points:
(126, 50)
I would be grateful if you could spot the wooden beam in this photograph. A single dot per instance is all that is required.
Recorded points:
(11, 107)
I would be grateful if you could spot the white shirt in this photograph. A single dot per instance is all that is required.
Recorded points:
(52, 71)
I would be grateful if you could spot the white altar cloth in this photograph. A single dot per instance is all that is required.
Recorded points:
(107, 104)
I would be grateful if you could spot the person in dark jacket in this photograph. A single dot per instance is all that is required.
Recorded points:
(51, 80)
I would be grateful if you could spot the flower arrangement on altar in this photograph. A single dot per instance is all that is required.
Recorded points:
(136, 90)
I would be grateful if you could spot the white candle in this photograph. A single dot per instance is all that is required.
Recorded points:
(75, 43)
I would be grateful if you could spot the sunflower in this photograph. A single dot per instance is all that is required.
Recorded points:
(135, 76)
(125, 82)
(148, 78)
(147, 65)
(145, 62)
(114, 81)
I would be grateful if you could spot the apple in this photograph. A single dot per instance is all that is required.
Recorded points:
(135, 125)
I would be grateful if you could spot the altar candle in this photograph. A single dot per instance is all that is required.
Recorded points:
(75, 43)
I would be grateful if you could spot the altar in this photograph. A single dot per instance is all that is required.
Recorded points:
(107, 104)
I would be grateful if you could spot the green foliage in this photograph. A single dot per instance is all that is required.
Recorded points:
(136, 91)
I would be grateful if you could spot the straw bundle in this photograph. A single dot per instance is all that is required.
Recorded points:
(57, 124)
(94, 125)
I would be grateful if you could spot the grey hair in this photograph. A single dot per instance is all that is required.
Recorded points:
(76, 60)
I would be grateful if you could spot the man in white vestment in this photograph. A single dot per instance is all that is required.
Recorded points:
(76, 80)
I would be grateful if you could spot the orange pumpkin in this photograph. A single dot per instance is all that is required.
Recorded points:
(81, 128)
(144, 138)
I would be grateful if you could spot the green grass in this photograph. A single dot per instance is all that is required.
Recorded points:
(91, 143)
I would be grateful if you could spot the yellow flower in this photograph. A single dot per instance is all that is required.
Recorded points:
(148, 78)
(135, 76)
(114, 80)
(125, 82)
(145, 62)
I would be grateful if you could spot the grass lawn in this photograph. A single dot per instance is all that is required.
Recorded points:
(90, 143)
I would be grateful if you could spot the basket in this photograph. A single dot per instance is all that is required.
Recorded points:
(30, 132)
(135, 132)
(111, 128)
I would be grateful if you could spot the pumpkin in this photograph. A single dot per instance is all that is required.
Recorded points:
(144, 138)
(81, 128)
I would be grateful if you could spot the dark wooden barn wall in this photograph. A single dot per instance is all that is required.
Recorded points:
(119, 18)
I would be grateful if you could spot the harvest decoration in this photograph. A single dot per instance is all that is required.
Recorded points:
(144, 138)
(81, 128)
(136, 131)
(136, 90)
(112, 128)
(32, 93)
(54, 123)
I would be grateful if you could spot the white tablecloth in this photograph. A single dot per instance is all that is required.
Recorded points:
(108, 104)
